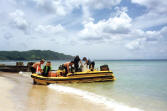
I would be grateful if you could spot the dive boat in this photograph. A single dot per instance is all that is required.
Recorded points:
(76, 77)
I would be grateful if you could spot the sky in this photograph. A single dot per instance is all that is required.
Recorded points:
(97, 29)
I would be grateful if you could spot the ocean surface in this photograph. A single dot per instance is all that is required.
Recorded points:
(141, 85)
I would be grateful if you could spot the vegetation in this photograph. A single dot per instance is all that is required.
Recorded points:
(33, 55)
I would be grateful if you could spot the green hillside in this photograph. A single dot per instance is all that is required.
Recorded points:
(33, 55)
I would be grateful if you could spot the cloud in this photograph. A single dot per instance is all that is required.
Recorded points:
(81, 26)
(114, 26)
(155, 15)
(59, 7)
(136, 44)
(18, 20)
(64, 7)
(52, 6)
(100, 4)
(163, 32)
(120, 29)
(50, 29)
(147, 37)
(8, 36)
(154, 5)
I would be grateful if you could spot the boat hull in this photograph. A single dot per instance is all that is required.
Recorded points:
(83, 77)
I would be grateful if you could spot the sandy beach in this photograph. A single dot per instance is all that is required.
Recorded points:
(6, 103)
(20, 94)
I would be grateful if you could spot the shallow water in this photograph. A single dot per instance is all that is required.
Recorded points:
(140, 85)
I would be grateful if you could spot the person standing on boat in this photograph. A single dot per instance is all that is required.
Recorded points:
(76, 63)
(89, 63)
(36, 67)
(67, 66)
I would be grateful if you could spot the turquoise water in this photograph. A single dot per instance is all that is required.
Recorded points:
(139, 84)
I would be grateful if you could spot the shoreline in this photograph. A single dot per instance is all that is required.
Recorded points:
(28, 97)
(21, 95)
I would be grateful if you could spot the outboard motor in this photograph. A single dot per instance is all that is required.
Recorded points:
(104, 68)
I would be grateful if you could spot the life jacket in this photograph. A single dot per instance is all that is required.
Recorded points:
(38, 69)
(46, 70)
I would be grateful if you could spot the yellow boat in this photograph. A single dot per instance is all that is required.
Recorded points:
(77, 77)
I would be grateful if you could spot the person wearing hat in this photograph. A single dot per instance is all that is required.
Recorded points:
(36, 67)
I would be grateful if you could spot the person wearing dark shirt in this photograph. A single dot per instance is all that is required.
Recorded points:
(76, 63)
(46, 69)
(89, 63)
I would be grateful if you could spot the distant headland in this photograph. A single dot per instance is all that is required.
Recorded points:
(33, 55)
